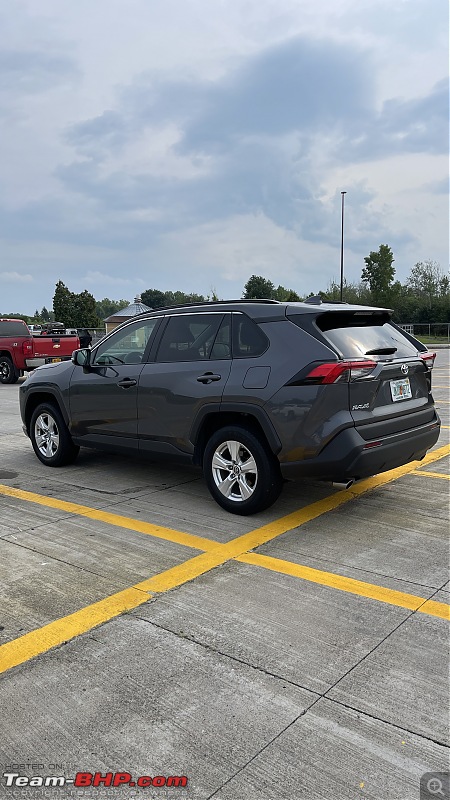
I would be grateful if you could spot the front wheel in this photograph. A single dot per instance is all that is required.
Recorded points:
(240, 471)
(50, 437)
(8, 372)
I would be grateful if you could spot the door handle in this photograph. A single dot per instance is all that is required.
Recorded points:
(208, 377)
(127, 383)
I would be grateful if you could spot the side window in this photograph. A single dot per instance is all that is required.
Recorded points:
(127, 346)
(248, 339)
(189, 337)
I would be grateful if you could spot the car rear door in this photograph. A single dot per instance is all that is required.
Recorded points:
(191, 365)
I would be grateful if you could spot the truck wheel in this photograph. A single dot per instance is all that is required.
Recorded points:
(241, 473)
(50, 437)
(8, 372)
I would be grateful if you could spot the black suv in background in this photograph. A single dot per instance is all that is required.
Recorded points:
(251, 391)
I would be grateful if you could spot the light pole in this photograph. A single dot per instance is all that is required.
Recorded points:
(342, 244)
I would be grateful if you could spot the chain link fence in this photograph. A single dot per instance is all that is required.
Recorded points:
(429, 332)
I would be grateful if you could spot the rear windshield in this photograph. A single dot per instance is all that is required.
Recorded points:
(359, 335)
(13, 328)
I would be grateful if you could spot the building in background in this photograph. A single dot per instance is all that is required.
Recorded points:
(138, 307)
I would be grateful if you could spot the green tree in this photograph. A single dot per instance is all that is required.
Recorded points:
(428, 281)
(63, 304)
(213, 296)
(84, 311)
(285, 295)
(106, 307)
(74, 310)
(154, 298)
(357, 293)
(258, 287)
(379, 273)
(179, 298)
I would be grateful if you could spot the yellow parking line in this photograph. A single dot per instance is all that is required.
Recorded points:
(344, 584)
(62, 630)
(159, 531)
(43, 639)
(431, 474)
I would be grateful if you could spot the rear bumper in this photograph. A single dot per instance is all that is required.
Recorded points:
(32, 363)
(349, 456)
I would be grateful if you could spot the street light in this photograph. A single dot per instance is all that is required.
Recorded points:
(342, 245)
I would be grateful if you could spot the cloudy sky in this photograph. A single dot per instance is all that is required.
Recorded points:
(188, 144)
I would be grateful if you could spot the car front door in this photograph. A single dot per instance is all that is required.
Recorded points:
(103, 398)
(187, 378)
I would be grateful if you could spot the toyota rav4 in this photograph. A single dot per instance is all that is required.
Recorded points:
(253, 392)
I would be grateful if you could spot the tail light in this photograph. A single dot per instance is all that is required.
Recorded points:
(340, 371)
(27, 347)
(428, 359)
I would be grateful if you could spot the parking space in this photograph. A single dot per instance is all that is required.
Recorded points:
(301, 652)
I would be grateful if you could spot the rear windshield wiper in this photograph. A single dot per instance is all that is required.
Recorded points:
(381, 351)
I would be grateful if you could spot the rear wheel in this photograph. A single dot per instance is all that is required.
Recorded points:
(50, 437)
(8, 372)
(241, 473)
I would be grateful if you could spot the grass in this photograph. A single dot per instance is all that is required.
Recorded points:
(425, 339)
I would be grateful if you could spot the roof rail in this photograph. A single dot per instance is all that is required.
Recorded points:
(211, 303)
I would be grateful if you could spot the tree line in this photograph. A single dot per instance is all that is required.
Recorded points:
(423, 298)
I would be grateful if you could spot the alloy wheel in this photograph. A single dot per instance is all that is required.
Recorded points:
(234, 471)
(46, 435)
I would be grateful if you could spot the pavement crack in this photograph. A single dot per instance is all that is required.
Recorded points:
(384, 721)
(218, 652)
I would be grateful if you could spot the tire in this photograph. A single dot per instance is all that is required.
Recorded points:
(8, 372)
(240, 471)
(50, 437)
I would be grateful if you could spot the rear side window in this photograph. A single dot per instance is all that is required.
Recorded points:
(248, 339)
(359, 335)
(190, 337)
(13, 328)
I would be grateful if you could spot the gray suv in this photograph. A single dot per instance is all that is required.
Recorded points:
(253, 392)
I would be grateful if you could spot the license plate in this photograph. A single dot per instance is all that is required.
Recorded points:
(401, 390)
(55, 360)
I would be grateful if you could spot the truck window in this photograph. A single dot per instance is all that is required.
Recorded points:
(12, 327)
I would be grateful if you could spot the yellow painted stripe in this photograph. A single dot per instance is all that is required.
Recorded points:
(441, 402)
(435, 609)
(445, 427)
(249, 541)
(43, 639)
(66, 628)
(350, 585)
(159, 531)
(431, 474)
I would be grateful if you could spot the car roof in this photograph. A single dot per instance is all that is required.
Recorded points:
(262, 310)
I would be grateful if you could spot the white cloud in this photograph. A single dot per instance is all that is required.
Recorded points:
(102, 279)
(16, 277)
(176, 170)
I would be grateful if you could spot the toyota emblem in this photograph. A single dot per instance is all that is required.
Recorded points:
(405, 369)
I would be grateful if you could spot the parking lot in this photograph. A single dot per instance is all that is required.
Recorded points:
(298, 653)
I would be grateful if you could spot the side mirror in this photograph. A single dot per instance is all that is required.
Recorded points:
(82, 358)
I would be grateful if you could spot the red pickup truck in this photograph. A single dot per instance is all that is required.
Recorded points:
(21, 352)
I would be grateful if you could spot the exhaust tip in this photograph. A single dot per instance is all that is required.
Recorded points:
(343, 484)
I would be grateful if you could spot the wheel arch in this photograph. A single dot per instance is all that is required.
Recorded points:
(43, 396)
(250, 417)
